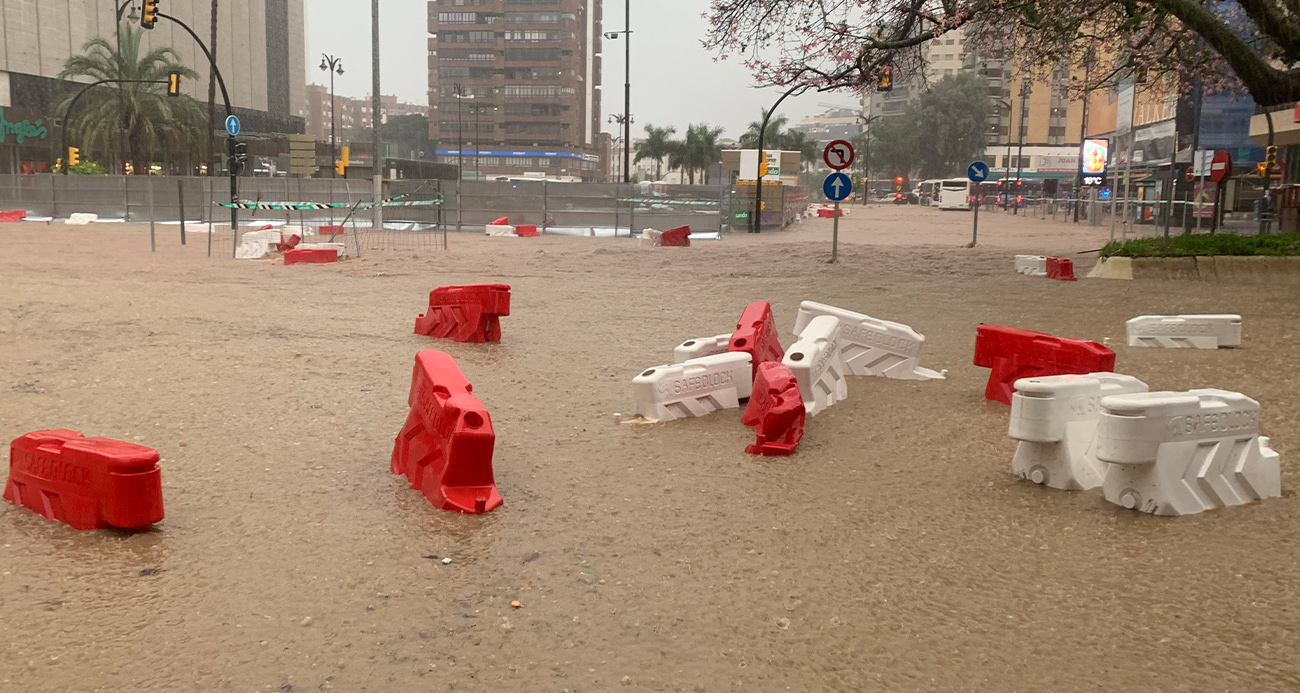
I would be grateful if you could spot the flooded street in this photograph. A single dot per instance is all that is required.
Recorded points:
(895, 552)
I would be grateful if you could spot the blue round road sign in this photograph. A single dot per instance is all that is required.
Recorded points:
(232, 125)
(977, 172)
(837, 187)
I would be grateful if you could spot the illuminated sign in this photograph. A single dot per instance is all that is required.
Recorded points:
(1092, 169)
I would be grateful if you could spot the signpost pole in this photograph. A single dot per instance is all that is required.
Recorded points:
(975, 231)
(835, 234)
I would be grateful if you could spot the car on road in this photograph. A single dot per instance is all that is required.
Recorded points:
(906, 198)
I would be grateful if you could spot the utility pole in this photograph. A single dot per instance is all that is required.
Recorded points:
(627, 90)
(376, 158)
(1083, 132)
(1020, 139)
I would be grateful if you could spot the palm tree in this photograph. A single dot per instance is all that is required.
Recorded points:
(698, 152)
(656, 146)
(771, 135)
(149, 116)
(796, 141)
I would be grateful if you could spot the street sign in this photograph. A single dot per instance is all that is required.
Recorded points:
(837, 187)
(1221, 166)
(838, 155)
(232, 125)
(977, 172)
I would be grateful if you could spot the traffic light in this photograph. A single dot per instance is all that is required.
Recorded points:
(898, 184)
(1140, 75)
(1262, 168)
(173, 83)
(885, 81)
(74, 156)
(1270, 155)
(149, 14)
(238, 151)
(341, 166)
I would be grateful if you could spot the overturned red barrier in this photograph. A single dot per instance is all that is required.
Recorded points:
(328, 230)
(445, 448)
(289, 244)
(756, 335)
(679, 237)
(1014, 354)
(87, 483)
(13, 215)
(469, 313)
(775, 411)
(1061, 269)
(318, 256)
(526, 231)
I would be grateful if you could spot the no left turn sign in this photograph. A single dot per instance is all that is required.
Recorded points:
(838, 155)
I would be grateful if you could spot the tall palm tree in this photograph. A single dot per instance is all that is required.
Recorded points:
(151, 118)
(697, 152)
(771, 136)
(796, 141)
(656, 146)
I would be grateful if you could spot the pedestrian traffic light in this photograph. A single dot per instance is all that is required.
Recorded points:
(173, 83)
(1270, 155)
(238, 151)
(885, 81)
(149, 14)
(74, 156)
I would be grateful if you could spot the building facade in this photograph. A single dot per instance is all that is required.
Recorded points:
(514, 87)
(260, 52)
(351, 113)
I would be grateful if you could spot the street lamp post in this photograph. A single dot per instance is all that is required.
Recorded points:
(1020, 141)
(625, 123)
(133, 17)
(866, 155)
(330, 64)
(460, 133)
(627, 85)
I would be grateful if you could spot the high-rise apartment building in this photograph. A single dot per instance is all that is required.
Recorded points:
(514, 87)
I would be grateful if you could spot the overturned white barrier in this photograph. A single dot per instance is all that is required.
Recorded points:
(701, 347)
(1179, 453)
(816, 364)
(81, 219)
(1032, 265)
(254, 245)
(1055, 419)
(500, 230)
(651, 238)
(869, 346)
(694, 388)
(1185, 331)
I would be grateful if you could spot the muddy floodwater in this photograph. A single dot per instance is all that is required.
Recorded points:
(895, 552)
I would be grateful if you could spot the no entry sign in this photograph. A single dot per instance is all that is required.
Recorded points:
(1221, 166)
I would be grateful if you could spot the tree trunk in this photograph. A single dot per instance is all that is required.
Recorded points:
(212, 90)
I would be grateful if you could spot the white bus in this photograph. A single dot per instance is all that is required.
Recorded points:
(928, 192)
(954, 193)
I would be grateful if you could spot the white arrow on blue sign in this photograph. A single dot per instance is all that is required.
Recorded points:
(977, 172)
(232, 125)
(837, 187)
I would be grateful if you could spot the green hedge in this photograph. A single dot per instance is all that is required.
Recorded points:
(1205, 244)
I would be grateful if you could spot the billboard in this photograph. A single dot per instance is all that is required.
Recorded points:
(1092, 169)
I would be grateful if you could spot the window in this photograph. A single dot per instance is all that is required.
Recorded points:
(1058, 131)
(458, 18)
(538, 17)
(532, 54)
(519, 161)
(539, 35)
(467, 37)
(543, 162)
(540, 90)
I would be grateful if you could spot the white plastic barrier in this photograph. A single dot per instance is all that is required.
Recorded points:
(80, 219)
(1055, 420)
(254, 245)
(1179, 453)
(816, 364)
(694, 388)
(500, 230)
(872, 347)
(701, 347)
(651, 238)
(1033, 265)
(1185, 331)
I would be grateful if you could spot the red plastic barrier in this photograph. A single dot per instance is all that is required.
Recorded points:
(1061, 268)
(14, 215)
(775, 411)
(465, 313)
(445, 448)
(826, 213)
(292, 243)
(503, 221)
(678, 237)
(318, 256)
(1014, 354)
(88, 483)
(756, 334)
(327, 230)
(526, 231)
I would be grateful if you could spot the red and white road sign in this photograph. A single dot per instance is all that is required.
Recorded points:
(1220, 166)
(838, 155)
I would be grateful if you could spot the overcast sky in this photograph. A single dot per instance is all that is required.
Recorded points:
(674, 80)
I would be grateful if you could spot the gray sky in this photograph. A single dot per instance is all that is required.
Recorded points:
(674, 80)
